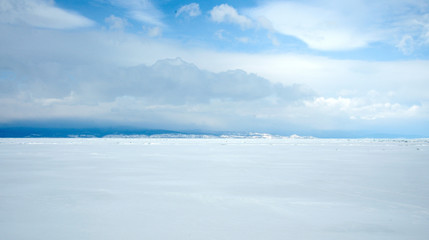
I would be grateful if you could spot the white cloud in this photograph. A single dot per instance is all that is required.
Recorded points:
(141, 10)
(116, 23)
(192, 10)
(226, 13)
(40, 13)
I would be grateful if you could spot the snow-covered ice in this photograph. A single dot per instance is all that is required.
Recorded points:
(214, 189)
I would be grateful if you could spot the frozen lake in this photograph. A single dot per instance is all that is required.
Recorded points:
(214, 189)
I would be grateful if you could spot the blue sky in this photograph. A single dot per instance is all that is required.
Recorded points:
(310, 67)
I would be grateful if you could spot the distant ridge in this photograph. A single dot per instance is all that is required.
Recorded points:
(43, 132)
(205, 135)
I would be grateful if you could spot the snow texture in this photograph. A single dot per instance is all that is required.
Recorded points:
(214, 189)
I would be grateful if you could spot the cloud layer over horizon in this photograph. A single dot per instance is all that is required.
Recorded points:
(219, 66)
(168, 87)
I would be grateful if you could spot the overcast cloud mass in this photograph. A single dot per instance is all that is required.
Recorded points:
(263, 66)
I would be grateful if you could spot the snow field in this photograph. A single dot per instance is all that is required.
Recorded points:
(214, 189)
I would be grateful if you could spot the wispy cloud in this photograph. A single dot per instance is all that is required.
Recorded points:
(154, 32)
(40, 13)
(412, 30)
(226, 13)
(141, 10)
(319, 27)
(116, 23)
(191, 10)
(334, 25)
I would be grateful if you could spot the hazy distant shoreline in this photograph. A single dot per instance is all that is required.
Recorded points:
(114, 132)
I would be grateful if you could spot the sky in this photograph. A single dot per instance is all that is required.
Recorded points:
(322, 68)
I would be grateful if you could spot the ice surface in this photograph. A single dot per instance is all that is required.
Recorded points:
(214, 189)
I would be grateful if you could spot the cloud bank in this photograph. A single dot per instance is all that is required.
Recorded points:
(168, 88)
